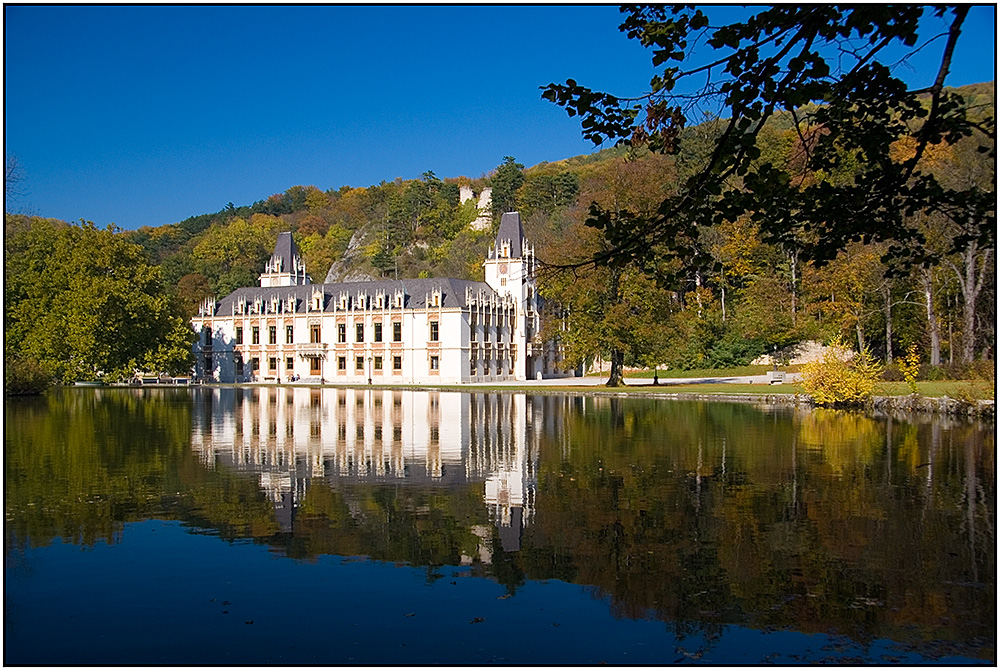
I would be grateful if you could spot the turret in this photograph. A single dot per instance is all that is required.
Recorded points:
(286, 267)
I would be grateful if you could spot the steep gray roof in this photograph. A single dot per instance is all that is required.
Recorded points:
(286, 251)
(416, 292)
(512, 230)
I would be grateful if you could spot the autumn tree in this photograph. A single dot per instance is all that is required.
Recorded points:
(191, 290)
(781, 59)
(234, 254)
(966, 166)
(609, 312)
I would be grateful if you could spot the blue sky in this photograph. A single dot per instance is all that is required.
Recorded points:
(147, 115)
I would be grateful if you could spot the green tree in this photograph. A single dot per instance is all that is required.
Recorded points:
(548, 192)
(191, 289)
(172, 353)
(609, 312)
(852, 281)
(234, 254)
(505, 181)
(778, 60)
(84, 302)
(320, 251)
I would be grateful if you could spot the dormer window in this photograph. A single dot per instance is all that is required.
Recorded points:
(398, 299)
(380, 300)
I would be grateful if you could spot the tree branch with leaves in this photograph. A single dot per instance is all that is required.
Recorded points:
(823, 65)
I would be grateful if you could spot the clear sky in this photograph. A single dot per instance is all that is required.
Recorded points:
(147, 115)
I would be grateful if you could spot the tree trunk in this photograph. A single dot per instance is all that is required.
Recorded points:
(861, 336)
(795, 257)
(697, 291)
(722, 286)
(970, 285)
(933, 327)
(617, 377)
(951, 344)
(968, 329)
(887, 308)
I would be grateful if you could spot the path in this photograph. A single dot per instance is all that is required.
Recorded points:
(596, 381)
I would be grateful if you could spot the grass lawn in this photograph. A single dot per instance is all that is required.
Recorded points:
(978, 389)
(632, 386)
(953, 389)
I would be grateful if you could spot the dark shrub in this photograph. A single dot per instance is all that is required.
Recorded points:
(25, 377)
(892, 373)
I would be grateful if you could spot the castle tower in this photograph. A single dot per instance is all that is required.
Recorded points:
(286, 267)
(510, 270)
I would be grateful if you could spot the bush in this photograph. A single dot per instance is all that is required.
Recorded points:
(840, 378)
(891, 373)
(25, 377)
(935, 373)
(733, 351)
(981, 370)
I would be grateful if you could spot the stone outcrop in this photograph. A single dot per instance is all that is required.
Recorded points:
(794, 354)
(345, 269)
(485, 206)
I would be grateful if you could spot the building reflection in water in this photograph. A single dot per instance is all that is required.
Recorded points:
(290, 436)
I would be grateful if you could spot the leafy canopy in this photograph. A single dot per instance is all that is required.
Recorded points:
(825, 68)
(81, 301)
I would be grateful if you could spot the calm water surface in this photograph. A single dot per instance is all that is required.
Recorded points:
(296, 526)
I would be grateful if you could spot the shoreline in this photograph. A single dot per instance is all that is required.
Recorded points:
(912, 403)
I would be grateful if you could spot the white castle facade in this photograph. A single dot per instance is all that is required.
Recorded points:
(380, 332)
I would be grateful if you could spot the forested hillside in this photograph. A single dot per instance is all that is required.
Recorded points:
(759, 296)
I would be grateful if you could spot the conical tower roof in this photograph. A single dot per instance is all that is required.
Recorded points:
(512, 232)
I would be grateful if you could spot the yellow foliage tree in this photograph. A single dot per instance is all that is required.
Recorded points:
(841, 377)
(909, 365)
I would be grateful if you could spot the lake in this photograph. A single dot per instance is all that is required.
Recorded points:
(364, 526)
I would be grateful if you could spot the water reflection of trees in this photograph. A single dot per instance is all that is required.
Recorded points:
(699, 514)
(80, 463)
(716, 513)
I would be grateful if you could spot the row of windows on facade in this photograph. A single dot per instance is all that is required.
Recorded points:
(359, 364)
(315, 335)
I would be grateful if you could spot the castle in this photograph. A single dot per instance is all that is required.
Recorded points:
(401, 331)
